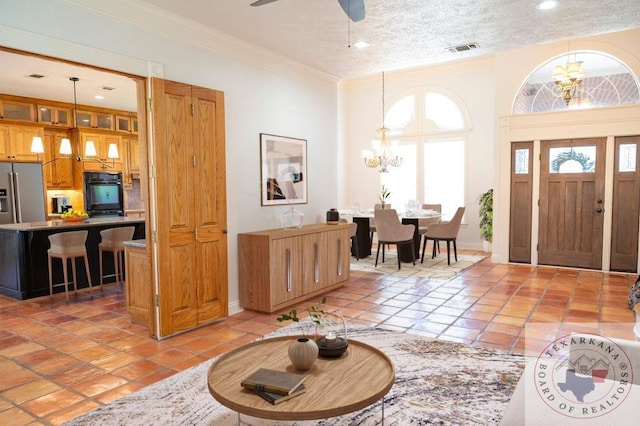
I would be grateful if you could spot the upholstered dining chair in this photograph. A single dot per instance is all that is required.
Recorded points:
(372, 221)
(423, 224)
(391, 231)
(444, 231)
(353, 230)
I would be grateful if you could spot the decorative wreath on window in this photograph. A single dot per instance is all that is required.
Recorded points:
(584, 160)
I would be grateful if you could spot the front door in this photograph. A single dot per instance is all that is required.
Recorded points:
(572, 176)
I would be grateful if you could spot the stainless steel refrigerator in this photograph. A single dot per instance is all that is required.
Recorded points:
(21, 193)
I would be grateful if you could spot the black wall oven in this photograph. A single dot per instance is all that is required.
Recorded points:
(103, 194)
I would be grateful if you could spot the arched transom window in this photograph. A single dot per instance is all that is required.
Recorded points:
(606, 82)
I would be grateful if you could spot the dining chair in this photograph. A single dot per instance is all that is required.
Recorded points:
(391, 231)
(423, 224)
(353, 230)
(444, 231)
(372, 221)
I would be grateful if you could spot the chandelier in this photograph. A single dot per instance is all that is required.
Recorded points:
(382, 154)
(568, 80)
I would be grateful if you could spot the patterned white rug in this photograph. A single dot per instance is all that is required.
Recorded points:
(437, 382)
(431, 268)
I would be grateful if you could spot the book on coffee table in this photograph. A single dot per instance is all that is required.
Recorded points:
(276, 398)
(279, 382)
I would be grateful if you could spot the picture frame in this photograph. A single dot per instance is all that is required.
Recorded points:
(283, 170)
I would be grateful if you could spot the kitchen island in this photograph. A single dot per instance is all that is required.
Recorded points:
(24, 273)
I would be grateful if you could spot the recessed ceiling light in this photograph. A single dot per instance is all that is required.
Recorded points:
(360, 44)
(547, 4)
(107, 88)
(99, 97)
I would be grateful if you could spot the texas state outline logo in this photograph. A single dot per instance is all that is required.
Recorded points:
(583, 375)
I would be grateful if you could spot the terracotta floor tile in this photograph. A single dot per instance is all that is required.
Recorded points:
(89, 346)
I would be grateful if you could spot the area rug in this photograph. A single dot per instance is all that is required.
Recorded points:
(437, 382)
(431, 268)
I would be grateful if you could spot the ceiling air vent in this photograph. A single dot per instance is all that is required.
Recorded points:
(462, 47)
(107, 88)
(35, 76)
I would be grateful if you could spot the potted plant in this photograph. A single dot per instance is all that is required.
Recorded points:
(384, 194)
(485, 200)
(304, 351)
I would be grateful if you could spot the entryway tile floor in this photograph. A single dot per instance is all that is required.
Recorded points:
(59, 360)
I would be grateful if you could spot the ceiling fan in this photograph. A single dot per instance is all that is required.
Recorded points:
(353, 8)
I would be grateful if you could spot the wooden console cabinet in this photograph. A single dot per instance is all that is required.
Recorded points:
(281, 267)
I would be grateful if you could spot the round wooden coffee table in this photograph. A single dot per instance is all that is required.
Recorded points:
(362, 376)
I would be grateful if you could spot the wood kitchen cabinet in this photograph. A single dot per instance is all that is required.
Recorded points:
(127, 124)
(58, 170)
(16, 110)
(280, 267)
(101, 142)
(55, 116)
(138, 284)
(17, 142)
(95, 120)
(130, 160)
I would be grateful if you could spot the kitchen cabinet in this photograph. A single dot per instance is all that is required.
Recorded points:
(58, 169)
(17, 142)
(189, 163)
(127, 124)
(138, 284)
(280, 267)
(16, 110)
(95, 120)
(54, 116)
(131, 160)
(101, 142)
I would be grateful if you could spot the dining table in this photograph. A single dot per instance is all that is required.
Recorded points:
(363, 238)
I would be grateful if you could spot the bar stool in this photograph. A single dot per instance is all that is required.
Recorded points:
(64, 246)
(113, 240)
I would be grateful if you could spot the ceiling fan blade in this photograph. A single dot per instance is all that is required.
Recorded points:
(353, 8)
(261, 2)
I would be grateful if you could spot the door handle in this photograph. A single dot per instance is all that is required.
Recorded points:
(599, 210)
(599, 201)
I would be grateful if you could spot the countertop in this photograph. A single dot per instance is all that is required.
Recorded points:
(136, 243)
(60, 224)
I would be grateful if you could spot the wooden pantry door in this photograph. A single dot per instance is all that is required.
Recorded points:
(190, 188)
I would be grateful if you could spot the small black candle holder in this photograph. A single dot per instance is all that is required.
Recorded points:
(331, 336)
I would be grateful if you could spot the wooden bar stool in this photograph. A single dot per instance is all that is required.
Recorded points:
(113, 240)
(64, 246)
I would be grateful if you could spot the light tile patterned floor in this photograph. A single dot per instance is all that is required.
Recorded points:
(59, 360)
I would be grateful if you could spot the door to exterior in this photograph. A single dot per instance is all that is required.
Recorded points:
(190, 188)
(572, 174)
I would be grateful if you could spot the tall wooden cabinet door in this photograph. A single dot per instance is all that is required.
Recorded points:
(286, 270)
(211, 201)
(314, 262)
(191, 205)
(338, 243)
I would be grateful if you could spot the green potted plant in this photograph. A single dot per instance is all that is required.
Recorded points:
(485, 200)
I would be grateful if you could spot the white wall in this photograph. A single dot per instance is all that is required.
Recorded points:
(263, 93)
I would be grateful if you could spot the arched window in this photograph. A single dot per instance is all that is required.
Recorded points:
(606, 82)
(430, 126)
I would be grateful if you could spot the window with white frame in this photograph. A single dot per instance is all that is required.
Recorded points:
(430, 126)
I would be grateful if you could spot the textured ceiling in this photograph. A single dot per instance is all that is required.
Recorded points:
(402, 33)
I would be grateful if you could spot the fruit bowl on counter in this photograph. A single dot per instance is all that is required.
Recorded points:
(74, 216)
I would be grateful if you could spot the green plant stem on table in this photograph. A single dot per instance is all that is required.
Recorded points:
(315, 313)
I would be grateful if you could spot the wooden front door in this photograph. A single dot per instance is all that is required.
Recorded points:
(572, 202)
(521, 202)
(189, 158)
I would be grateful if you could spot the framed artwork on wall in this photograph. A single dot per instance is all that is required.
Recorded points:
(283, 174)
